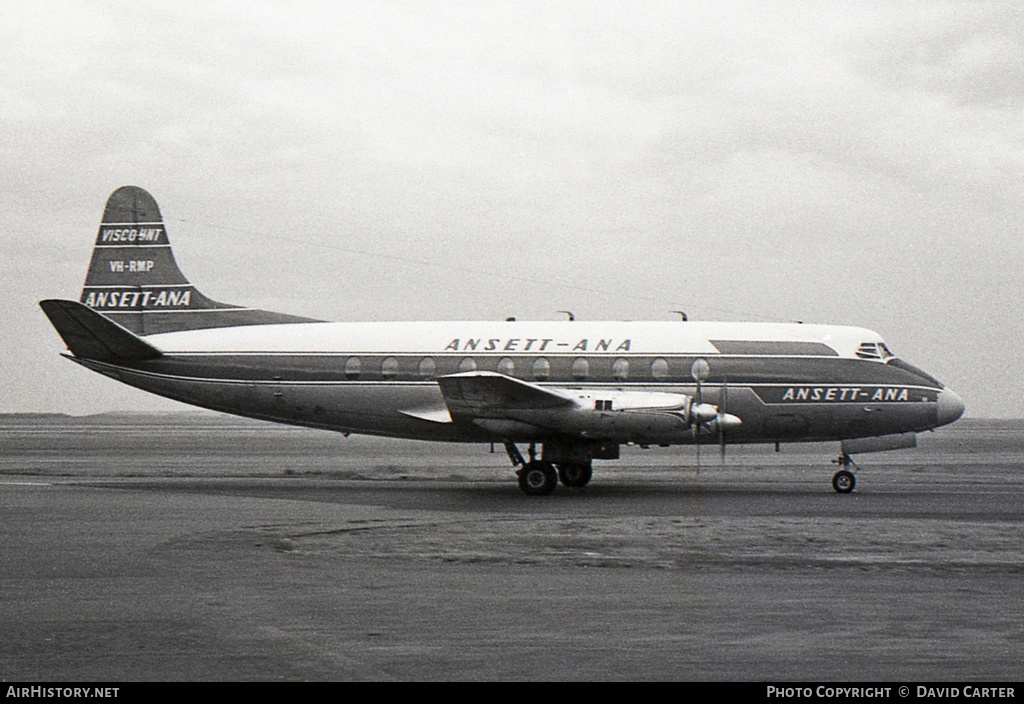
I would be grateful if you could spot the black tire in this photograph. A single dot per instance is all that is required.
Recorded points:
(538, 478)
(843, 481)
(575, 474)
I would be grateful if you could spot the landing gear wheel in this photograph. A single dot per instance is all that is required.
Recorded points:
(575, 474)
(843, 481)
(538, 478)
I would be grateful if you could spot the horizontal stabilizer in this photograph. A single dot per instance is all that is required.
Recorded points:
(90, 335)
(482, 394)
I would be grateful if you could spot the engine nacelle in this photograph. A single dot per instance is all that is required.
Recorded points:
(519, 410)
(643, 417)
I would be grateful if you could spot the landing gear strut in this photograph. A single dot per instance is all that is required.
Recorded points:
(844, 480)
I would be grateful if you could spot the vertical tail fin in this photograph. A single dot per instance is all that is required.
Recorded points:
(134, 280)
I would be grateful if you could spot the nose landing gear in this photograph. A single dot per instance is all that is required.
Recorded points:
(844, 480)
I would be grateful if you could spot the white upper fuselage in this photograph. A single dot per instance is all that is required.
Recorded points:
(509, 337)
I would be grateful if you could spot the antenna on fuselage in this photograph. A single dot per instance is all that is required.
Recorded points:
(569, 313)
(681, 315)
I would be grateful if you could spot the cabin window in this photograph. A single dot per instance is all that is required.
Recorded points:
(352, 368)
(620, 369)
(541, 369)
(580, 369)
(506, 366)
(659, 368)
(389, 368)
(427, 368)
(467, 365)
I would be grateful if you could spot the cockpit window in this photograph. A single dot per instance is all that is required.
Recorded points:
(874, 350)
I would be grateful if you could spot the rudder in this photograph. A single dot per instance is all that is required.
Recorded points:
(134, 280)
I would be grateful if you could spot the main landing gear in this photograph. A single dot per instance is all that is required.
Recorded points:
(575, 474)
(844, 480)
(538, 477)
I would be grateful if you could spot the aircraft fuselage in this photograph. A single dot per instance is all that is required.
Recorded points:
(788, 382)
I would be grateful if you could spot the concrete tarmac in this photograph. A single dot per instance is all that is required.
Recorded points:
(398, 570)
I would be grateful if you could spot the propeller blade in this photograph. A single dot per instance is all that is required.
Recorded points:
(701, 413)
(723, 414)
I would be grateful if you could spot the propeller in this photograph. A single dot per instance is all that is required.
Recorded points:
(721, 419)
(706, 418)
(699, 370)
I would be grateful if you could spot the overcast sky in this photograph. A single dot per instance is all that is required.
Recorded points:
(852, 163)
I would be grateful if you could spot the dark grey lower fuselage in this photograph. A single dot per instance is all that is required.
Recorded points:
(779, 399)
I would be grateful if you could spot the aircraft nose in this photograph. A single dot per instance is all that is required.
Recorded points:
(951, 407)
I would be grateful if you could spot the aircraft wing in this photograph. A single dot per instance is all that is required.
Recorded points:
(515, 408)
(489, 395)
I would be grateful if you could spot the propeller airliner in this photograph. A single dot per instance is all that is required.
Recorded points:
(577, 390)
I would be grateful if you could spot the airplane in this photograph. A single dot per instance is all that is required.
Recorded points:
(579, 390)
